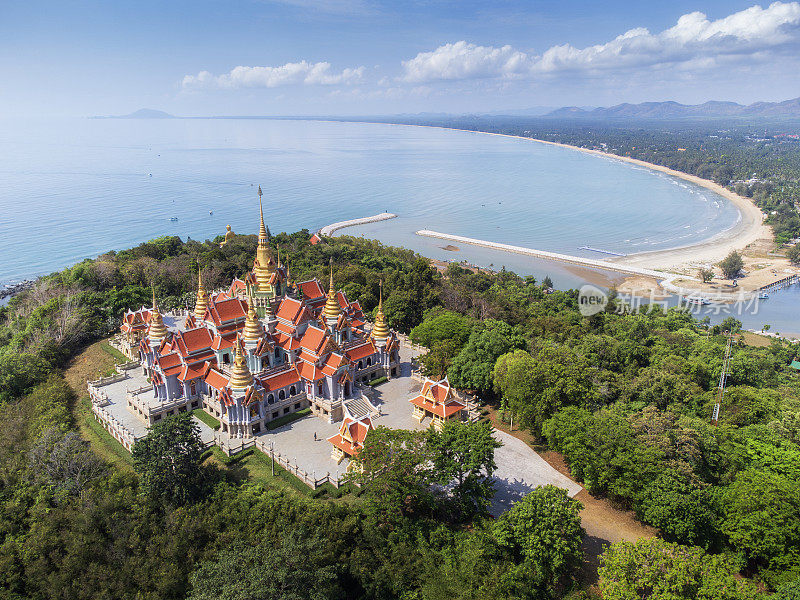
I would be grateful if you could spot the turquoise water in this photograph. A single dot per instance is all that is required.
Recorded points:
(71, 189)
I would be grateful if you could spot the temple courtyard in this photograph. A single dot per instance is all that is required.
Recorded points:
(519, 468)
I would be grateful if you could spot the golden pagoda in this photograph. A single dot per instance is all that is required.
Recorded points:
(253, 330)
(381, 330)
(264, 265)
(201, 305)
(241, 377)
(156, 331)
(332, 309)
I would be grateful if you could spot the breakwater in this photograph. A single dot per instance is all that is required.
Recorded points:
(333, 227)
(544, 254)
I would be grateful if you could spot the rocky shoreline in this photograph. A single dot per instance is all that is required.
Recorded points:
(12, 289)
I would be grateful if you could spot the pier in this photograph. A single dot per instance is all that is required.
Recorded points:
(329, 230)
(780, 283)
(543, 254)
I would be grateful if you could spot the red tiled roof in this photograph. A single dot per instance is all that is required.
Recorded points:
(351, 435)
(287, 342)
(362, 351)
(227, 310)
(281, 379)
(314, 240)
(313, 339)
(333, 363)
(287, 328)
(190, 373)
(308, 371)
(193, 340)
(221, 342)
(237, 285)
(311, 289)
(443, 410)
(216, 380)
(290, 310)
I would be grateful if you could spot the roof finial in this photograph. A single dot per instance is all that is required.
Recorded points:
(380, 330)
(332, 308)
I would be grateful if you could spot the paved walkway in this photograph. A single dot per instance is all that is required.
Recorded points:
(520, 470)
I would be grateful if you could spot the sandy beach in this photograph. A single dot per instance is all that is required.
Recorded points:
(747, 230)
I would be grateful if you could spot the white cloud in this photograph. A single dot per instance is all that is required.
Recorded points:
(299, 73)
(694, 40)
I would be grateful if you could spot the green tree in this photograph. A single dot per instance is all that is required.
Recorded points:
(438, 359)
(762, 518)
(296, 568)
(543, 535)
(472, 368)
(168, 460)
(793, 254)
(732, 264)
(392, 470)
(653, 568)
(706, 274)
(684, 514)
(464, 452)
(440, 327)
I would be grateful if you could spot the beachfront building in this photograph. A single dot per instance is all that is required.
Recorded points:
(261, 350)
(349, 440)
(437, 402)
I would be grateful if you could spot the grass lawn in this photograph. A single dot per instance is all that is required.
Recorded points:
(102, 442)
(116, 354)
(288, 418)
(206, 418)
(255, 466)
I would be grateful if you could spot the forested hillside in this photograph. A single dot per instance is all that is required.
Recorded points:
(626, 398)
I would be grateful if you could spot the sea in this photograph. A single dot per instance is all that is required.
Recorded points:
(76, 188)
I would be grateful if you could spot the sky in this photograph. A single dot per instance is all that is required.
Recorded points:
(372, 57)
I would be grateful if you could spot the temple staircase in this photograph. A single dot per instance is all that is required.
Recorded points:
(356, 408)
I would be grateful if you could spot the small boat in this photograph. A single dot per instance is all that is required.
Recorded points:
(211, 212)
(763, 296)
(173, 218)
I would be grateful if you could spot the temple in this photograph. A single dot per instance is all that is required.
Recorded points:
(261, 349)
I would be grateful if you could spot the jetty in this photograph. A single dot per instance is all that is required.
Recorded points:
(329, 230)
(602, 251)
(544, 254)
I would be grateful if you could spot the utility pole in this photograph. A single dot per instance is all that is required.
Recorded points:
(723, 376)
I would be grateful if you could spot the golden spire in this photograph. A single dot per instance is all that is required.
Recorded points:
(380, 331)
(201, 304)
(253, 329)
(265, 265)
(157, 330)
(241, 377)
(332, 308)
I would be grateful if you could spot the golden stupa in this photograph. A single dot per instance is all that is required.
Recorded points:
(241, 377)
(381, 330)
(156, 330)
(264, 265)
(332, 308)
(253, 330)
(201, 305)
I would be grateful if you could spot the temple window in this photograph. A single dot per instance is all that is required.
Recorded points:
(281, 395)
(226, 358)
(271, 399)
(293, 391)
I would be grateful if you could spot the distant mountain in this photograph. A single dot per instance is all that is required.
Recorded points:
(675, 110)
(143, 113)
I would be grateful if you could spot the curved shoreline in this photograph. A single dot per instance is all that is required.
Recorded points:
(747, 230)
